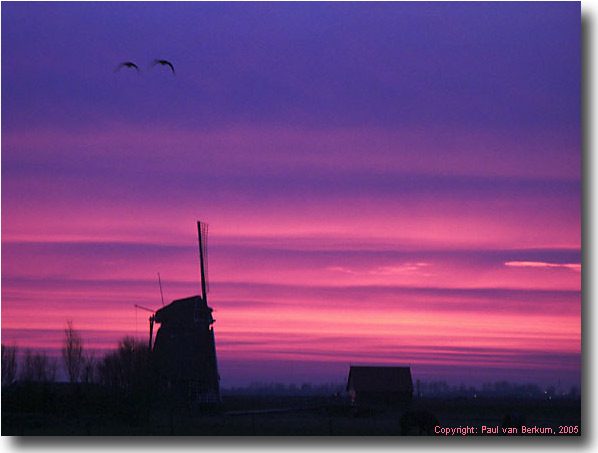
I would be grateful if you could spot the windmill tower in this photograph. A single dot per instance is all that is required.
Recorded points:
(185, 349)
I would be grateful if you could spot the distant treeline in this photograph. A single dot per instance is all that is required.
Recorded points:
(278, 388)
(491, 390)
(432, 389)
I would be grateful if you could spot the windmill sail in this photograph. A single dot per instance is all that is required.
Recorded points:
(202, 233)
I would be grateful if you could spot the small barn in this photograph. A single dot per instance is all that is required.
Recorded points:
(380, 385)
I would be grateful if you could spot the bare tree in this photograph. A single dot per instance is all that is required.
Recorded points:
(126, 368)
(72, 352)
(9, 364)
(89, 370)
(37, 367)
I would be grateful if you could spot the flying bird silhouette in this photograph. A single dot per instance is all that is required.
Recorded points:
(164, 63)
(128, 64)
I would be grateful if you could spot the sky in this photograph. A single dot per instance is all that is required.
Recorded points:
(384, 183)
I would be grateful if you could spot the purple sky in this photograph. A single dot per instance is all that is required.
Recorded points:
(413, 166)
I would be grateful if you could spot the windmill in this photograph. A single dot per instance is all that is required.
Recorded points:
(185, 349)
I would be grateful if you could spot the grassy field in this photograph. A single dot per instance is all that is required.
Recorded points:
(276, 416)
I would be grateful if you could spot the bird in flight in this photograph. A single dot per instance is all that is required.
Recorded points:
(127, 64)
(164, 63)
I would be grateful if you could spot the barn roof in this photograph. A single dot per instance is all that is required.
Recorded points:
(380, 379)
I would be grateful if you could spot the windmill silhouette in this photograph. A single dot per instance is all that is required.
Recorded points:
(185, 349)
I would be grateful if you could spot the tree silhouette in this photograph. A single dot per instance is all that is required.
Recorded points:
(127, 368)
(72, 352)
(9, 364)
(37, 367)
(89, 370)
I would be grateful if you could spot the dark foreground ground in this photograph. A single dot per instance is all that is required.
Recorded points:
(60, 413)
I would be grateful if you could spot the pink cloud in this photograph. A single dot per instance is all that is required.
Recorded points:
(540, 264)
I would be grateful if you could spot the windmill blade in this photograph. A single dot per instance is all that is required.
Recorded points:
(161, 293)
(144, 308)
(202, 233)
